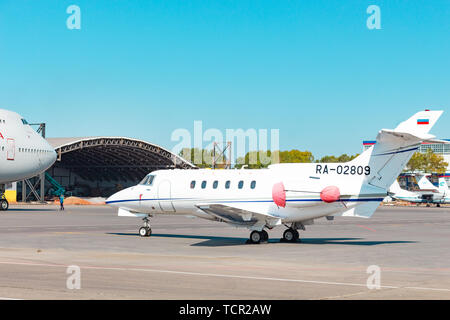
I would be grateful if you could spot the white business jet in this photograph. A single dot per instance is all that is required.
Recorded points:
(23, 152)
(428, 193)
(292, 195)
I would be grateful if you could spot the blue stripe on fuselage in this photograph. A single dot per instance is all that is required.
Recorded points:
(247, 201)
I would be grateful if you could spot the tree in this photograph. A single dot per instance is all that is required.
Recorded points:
(342, 158)
(428, 162)
(296, 156)
(253, 158)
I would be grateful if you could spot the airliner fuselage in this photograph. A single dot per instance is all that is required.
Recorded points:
(23, 152)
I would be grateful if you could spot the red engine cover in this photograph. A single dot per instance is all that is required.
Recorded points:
(279, 194)
(330, 194)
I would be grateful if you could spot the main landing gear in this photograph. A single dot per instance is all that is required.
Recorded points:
(4, 205)
(291, 234)
(145, 231)
(258, 237)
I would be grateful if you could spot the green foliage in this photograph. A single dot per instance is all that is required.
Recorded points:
(428, 162)
(342, 158)
(262, 159)
(296, 156)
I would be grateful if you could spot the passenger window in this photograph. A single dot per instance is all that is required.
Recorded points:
(241, 184)
(203, 184)
(227, 184)
(215, 184)
(192, 184)
(253, 184)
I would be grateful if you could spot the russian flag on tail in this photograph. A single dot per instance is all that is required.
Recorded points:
(423, 121)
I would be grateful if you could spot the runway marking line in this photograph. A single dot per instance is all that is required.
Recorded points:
(221, 275)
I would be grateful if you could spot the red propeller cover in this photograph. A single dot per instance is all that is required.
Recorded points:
(330, 194)
(279, 194)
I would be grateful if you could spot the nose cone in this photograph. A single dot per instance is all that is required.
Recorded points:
(113, 200)
(120, 198)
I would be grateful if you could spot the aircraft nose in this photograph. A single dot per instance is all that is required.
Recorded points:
(113, 200)
(117, 198)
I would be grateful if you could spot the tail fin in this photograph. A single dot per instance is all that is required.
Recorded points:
(443, 187)
(395, 187)
(393, 148)
(424, 183)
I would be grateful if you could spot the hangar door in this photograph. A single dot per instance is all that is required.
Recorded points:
(164, 196)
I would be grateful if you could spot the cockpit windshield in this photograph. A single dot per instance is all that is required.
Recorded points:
(148, 180)
(24, 121)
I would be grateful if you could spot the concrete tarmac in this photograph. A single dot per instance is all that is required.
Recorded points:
(191, 258)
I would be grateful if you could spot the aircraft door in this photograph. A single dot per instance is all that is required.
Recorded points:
(10, 149)
(164, 196)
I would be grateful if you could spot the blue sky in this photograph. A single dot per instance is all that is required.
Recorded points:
(311, 69)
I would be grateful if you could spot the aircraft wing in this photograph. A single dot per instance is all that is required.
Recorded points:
(242, 214)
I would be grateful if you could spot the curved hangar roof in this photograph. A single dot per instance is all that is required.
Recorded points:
(113, 158)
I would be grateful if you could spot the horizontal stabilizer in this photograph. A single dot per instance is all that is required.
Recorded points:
(364, 210)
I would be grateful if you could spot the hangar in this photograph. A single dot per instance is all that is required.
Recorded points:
(100, 166)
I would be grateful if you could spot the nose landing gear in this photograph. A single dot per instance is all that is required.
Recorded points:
(145, 231)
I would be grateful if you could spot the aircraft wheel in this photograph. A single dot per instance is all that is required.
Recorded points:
(4, 205)
(438, 205)
(256, 237)
(290, 235)
(145, 232)
(265, 236)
